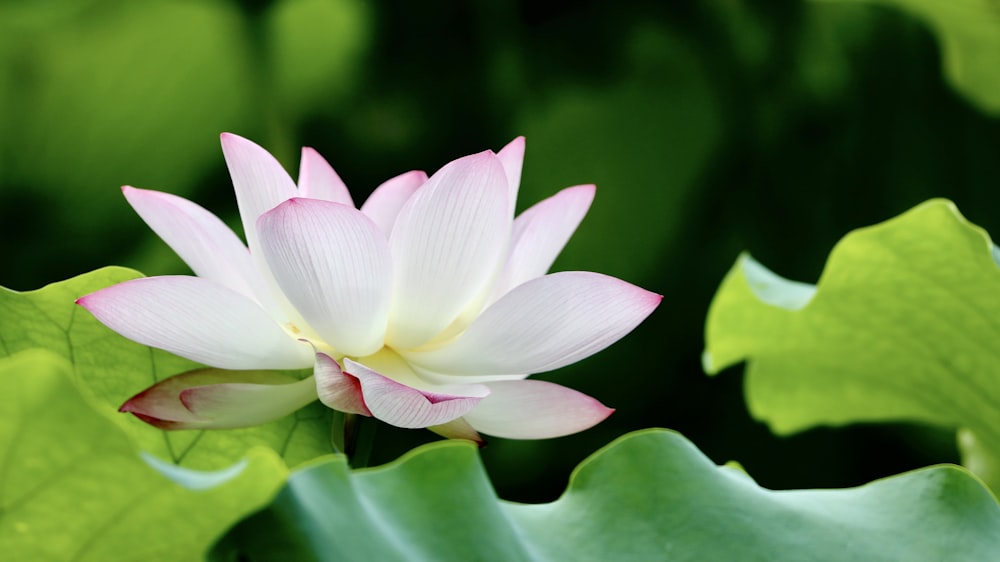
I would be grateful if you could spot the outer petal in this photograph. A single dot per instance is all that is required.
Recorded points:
(447, 245)
(214, 399)
(405, 406)
(532, 409)
(540, 233)
(259, 180)
(198, 319)
(383, 205)
(512, 158)
(203, 241)
(337, 389)
(318, 180)
(544, 324)
(333, 264)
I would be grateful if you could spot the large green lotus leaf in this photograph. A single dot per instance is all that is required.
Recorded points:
(969, 31)
(902, 326)
(112, 369)
(96, 94)
(74, 487)
(651, 495)
(121, 93)
(138, 93)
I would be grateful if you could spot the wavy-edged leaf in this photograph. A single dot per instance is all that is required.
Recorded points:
(113, 369)
(902, 326)
(969, 31)
(650, 495)
(74, 487)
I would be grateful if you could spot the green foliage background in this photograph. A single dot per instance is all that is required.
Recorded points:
(710, 127)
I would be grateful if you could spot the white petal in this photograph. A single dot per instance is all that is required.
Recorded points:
(203, 241)
(216, 399)
(260, 182)
(333, 264)
(318, 180)
(383, 205)
(544, 324)
(540, 233)
(447, 246)
(404, 406)
(337, 389)
(512, 158)
(198, 319)
(532, 409)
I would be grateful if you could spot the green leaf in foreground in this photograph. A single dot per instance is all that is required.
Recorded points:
(73, 486)
(902, 326)
(112, 369)
(650, 495)
(969, 31)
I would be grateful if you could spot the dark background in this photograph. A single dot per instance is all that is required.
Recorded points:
(709, 128)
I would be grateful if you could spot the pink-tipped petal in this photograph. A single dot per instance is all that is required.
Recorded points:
(261, 183)
(198, 319)
(512, 158)
(318, 180)
(241, 404)
(544, 324)
(447, 245)
(160, 405)
(203, 241)
(404, 406)
(333, 264)
(215, 399)
(532, 409)
(383, 205)
(337, 389)
(458, 428)
(540, 233)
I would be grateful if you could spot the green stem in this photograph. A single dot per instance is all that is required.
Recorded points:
(353, 435)
(337, 433)
(365, 439)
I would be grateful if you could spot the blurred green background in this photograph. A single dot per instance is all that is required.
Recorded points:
(709, 127)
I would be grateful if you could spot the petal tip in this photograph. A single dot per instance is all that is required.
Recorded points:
(515, 143)
(158, 423)
(231, 140)
(133, 406)
(86, 300)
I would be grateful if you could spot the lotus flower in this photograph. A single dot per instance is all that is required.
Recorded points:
(427, 307)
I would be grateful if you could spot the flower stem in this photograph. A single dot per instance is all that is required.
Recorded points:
(337, 432)
(353, 436)
(364, 433)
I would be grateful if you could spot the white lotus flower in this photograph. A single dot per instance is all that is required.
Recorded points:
(428, 307)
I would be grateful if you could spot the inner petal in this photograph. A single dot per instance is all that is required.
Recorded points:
(390, 364)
